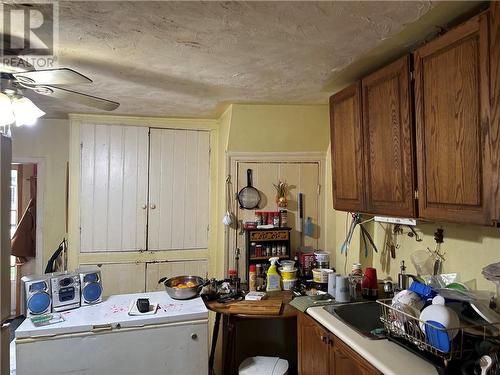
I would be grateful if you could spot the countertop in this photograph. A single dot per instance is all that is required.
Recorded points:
(386, 356)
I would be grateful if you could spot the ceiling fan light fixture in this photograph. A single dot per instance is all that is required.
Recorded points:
(6, 113)
(25, 111)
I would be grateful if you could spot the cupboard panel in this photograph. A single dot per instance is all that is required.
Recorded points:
(121, 278)
(113, 188)
(452, 120)
(388, 135)
(347, 146)
(179, 189)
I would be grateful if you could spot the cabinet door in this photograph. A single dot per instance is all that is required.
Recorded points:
(179, 181)
(113, 187)
(452, 109)
(347, 146)
(343, 360)
(494, 136)
(312, 345)
(388, 144)
(121, 278)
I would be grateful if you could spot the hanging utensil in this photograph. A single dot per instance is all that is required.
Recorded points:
(249, 197)
(347, 242)
(228, 217)
(370, 239)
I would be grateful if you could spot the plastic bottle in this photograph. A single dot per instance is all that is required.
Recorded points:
(273, 277)
(252, 278)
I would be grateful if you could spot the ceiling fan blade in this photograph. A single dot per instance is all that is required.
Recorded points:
(15, 65)
(76, 97)
(61, 76)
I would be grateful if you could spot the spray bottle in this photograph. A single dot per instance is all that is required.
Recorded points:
(273, 277)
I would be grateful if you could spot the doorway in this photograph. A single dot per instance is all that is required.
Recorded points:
(23, 227)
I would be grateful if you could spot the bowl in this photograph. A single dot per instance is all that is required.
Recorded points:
(182, 293)
(288, 265)
(288, 274)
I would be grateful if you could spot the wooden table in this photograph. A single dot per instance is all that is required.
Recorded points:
(230, 321)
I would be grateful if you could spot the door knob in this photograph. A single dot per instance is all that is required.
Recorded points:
(144, 206)
(152, 206)
(194, 336)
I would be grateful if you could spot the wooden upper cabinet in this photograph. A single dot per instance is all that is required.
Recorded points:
(388, 140)
(494, 135)
(347, 145)
(452, 123)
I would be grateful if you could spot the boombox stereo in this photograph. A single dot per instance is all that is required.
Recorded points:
(90, 280)
(36, 294)
(65, 288)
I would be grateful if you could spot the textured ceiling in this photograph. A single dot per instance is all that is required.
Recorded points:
(189, 59)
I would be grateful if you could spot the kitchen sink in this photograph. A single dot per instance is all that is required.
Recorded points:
(363, 317)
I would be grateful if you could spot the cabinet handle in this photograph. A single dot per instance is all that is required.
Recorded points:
(323, 339)
(194, 336)
(144, 206)
(152, 206)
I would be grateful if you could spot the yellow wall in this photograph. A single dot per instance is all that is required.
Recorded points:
(278, 128)
(217, 266)
(47, 141)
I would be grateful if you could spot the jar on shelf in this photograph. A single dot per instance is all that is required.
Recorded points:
(283, 218)
(276, 219)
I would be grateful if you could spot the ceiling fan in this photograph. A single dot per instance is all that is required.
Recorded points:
(18, 76)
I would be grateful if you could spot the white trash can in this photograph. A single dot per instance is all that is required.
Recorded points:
(263, 366)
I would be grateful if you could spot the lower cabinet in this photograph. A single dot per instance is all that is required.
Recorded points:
(322, 353)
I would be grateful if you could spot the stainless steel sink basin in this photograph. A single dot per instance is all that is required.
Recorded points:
(363, 317)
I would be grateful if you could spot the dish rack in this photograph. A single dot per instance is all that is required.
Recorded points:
(405, 326)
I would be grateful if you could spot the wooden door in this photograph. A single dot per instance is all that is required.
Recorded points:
(343, 360)
(452, 109)
(179, 180)
(347, 149)
(5, 283)
(312, 345)
(302, 177)
(113, 187)
(388, 140)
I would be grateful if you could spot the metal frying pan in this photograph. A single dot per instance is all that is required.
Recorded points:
(249, 197)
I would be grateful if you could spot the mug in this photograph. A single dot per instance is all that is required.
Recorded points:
(332, 283)
(342, 289)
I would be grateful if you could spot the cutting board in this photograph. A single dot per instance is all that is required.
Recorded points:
(263, 307)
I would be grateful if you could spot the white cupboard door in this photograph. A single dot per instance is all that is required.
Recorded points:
(121, 278)
(114, 180)
(178, 189)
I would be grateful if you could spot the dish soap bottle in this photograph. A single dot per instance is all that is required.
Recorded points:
(273, 277)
